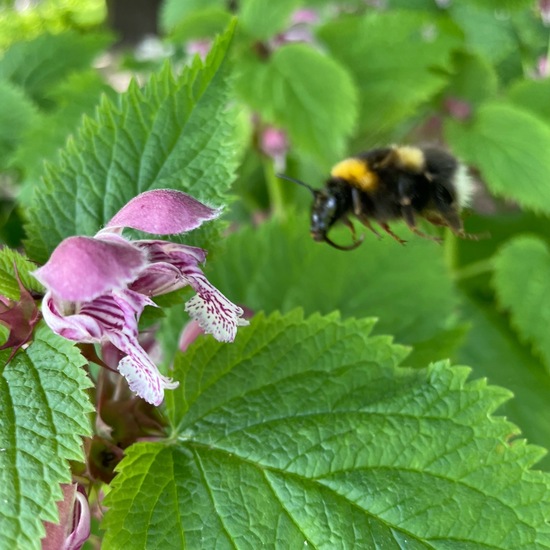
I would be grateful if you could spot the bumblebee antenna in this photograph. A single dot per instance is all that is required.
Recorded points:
(303, 184)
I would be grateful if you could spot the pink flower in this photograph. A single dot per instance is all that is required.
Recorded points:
(274, 143)
(97, 287)
(544, 9)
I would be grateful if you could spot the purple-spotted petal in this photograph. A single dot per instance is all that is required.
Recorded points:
(215, 314)
(162, 212)
(141, 373)
(82, 268)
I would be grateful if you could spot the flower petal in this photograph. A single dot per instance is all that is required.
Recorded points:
(79, 328)
(82, 268)
(162, 212)
(215, 314)
(141, 373)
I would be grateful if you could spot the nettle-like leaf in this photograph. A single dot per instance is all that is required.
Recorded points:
(44, 410)
(38, 64)
(493, 347)
(174, 132)
(394, 76)
(9, 261)
(307, 93)
(277, 266)
(306, 432)
(509, 146)
(522, 282)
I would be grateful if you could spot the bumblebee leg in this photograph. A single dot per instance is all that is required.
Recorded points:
(347, 222)
(357, 210)
(455, 225)
(408, 216)
(387, 229)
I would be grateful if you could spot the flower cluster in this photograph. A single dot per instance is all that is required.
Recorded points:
(97, 287)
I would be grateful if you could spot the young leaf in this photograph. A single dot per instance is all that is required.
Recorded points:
(394, 76)
(44, 410)
(38, 64)
(172, 133)
(305, 432)
(307, 93)
(522, 283)
(510, 147)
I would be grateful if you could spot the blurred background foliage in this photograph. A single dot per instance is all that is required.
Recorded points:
(315, 81)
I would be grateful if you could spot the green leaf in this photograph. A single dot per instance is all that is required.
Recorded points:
(307, 433)
(262, 19)
(173, 133)
(532, 95)
(494, 349)
(500, 5)
(485, 32)
(17, 114)
(79, 94)
(175, 12)
(201, 24)
(474, 78)
(8, 282)
(307, 93)
(38, 64)
(522, 283)
(277, 266)
(395, 58)
(510, 148)
(44, 410)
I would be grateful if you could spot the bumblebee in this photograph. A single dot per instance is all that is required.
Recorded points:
(391, 183)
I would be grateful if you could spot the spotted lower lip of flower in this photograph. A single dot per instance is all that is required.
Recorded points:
(113, 317)
(98, 286)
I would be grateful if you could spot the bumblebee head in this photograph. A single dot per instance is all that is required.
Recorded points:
(326, 210)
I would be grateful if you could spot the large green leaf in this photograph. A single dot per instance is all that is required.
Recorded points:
(307, 433)
(307, 93)
(277, 266)
(522, 282)
(38, 64)
(394, 57)
(173, 133)
(77, 95)
(44, 410)
(510, 148)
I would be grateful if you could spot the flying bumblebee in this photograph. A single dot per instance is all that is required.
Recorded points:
(391, 183)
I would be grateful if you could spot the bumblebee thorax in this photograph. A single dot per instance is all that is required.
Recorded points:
(357, 173)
